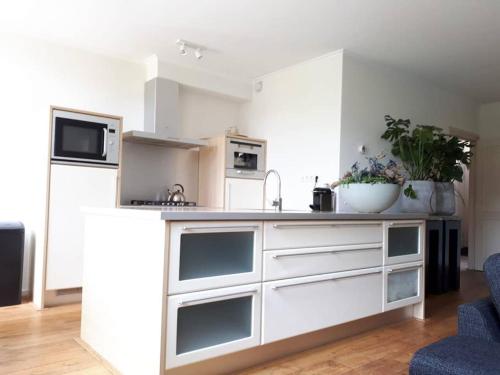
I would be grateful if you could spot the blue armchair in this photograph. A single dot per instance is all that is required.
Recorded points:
(476, 348)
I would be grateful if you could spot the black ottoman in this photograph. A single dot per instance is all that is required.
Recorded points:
(457, 355)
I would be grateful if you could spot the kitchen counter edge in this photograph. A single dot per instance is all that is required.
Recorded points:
(201, 214)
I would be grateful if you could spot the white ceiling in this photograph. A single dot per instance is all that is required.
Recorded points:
(454, 43)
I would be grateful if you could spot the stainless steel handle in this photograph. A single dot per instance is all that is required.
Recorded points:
(221, 297)
(305, 226)
(105, 143)
(277, 287)
(231, 228)
(390, 270)
(277, 256)
(295, 226)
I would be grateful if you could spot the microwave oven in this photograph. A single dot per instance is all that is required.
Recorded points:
(245, 158)
(80, 138)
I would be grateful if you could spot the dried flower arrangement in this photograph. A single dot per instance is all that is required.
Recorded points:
(376, 173)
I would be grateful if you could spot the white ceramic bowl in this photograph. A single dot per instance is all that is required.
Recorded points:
(370, 198)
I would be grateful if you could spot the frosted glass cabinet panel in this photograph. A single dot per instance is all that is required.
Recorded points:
(403, 242)
(211, 323)
(402, 285)
(215, 254)
(208, 255)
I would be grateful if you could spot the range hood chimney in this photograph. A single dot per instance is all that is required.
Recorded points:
(162, 123)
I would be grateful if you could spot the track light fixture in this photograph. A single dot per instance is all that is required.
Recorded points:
(182, 48)
(185, 46)
(198, 54)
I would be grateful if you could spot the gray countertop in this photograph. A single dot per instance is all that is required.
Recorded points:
(207, 214)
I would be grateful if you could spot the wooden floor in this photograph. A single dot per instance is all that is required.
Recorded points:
(42, 342)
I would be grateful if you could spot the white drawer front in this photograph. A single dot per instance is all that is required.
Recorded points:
(212, 323)
(296, 306)
(290, 234)
(209, 255)
(282, 264)
(404, 241)
(403, 285)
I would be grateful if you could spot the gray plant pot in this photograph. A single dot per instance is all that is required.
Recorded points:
(426, 197)
(445, 198)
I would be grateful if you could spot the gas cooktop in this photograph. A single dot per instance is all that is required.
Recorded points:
(136, 202)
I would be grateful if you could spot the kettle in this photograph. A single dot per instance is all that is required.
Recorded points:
(176, 194)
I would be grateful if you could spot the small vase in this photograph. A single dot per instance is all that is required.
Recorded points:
(445, 198)
(425, 202)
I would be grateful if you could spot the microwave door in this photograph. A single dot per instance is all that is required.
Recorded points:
(79, 140)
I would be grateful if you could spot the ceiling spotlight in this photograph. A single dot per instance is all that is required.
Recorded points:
(182, 47)
(198, 54)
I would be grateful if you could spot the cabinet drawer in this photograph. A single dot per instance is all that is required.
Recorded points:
(299, 234)
(212, 323)
(296, 306)
(403, 285)
(209, 255)
(403, 241)
(282, 264)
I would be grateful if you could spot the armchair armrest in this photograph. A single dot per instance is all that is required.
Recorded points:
(479, 319)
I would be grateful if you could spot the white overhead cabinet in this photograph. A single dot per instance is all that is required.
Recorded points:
(71, 188)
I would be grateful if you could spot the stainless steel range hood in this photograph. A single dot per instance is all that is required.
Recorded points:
(162, 125)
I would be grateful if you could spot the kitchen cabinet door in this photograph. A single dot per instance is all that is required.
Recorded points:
(403, 241)
(71, 188)
(243, 194)
(208, 255)
(403, 285)
(212, 323)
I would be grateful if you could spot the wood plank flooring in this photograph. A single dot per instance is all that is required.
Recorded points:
(42, 342)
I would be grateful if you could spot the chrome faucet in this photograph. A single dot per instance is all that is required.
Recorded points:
(276, 202)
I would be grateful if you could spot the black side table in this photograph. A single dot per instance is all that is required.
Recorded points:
(442, 258)
(11, 262)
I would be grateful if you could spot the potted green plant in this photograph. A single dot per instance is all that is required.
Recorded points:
(372, 189)
(450, 155)
(415, 147)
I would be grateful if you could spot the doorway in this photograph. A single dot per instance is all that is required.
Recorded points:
(465, 202)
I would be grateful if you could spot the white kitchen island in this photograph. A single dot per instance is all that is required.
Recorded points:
(193, 290)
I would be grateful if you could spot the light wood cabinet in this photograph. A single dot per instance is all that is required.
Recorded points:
(241, 189)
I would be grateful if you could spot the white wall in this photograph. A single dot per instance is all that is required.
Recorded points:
(33, 76)
(205, 114)
(371, 90)
(486, 235)
(489, 121)
(298, 112)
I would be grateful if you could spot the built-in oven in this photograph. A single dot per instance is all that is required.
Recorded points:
(245, 158)
(84, 138)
